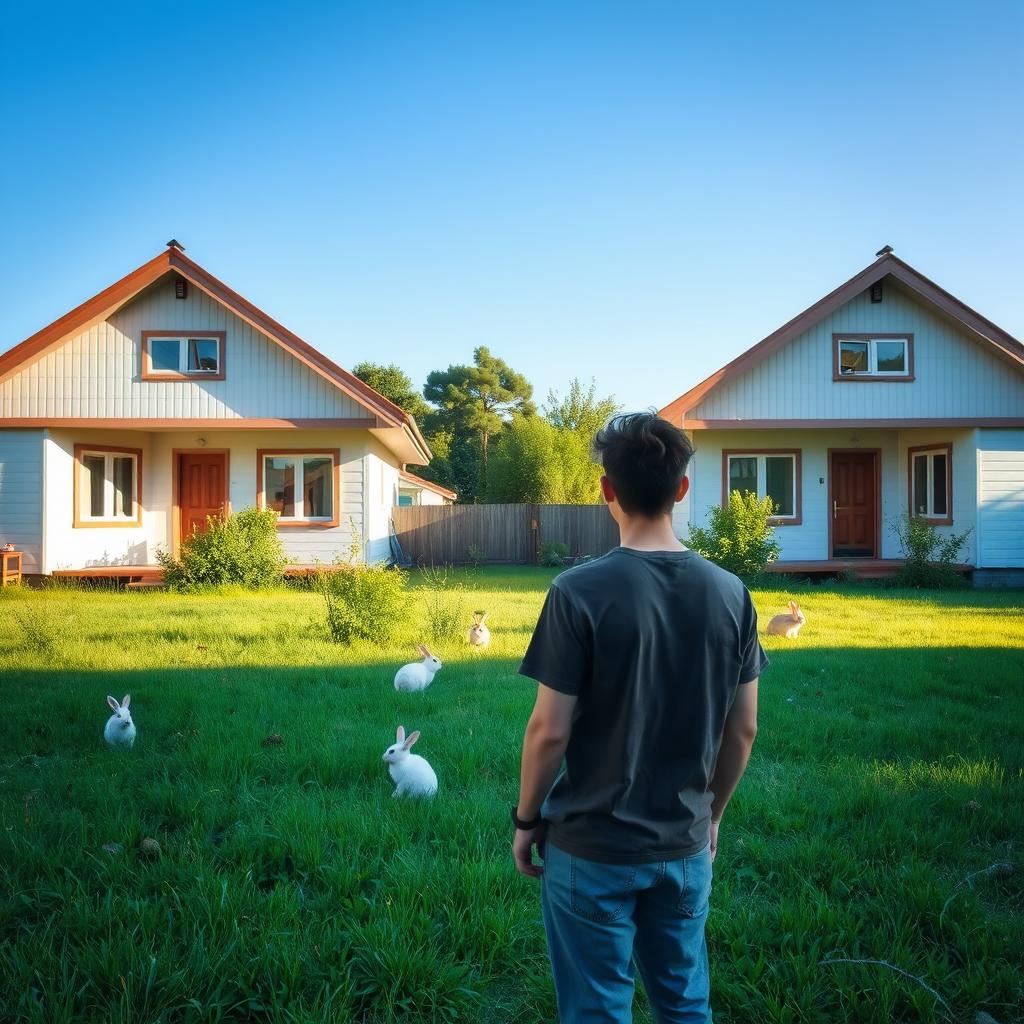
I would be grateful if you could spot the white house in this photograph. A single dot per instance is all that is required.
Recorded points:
(414, 490)
(168, 397)
(887, 396)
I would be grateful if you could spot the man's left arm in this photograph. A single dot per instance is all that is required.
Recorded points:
(547, 736)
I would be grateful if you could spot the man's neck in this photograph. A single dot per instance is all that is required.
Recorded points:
(643, 534)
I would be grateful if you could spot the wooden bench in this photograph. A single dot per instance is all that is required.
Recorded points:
(10, 568)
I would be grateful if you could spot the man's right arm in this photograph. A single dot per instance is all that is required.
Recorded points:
(733, 754)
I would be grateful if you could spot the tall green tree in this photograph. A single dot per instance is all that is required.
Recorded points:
(474, 402)
(581, 410)
(535, 461)
(394, 384)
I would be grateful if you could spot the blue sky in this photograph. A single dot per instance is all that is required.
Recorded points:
(633, 192)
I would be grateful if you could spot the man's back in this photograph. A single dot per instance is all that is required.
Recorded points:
(654, 644)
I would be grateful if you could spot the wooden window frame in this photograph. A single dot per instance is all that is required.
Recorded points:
(334, 454)
(146, 371)
(798, 508)
(941, 447)
(895, 378)
(78, 471)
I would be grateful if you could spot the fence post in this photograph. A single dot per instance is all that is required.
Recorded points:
(534, 511)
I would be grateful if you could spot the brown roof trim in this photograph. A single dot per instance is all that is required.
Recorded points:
(428, 484)
(222, 423)
(838, 424)
(1005, 344)
(174, 260)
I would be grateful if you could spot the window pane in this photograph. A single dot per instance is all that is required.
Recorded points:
(939, 485)
(891, 356)
(279, 484)
(778, 483)
(124, 489)
(743, 474)
(94, 470)
(853, 357)
(317, 493)
(163, 354)
(202, 355)
(404, 500)
(920, 485)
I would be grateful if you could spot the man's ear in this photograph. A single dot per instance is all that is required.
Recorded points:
(684, 486)
(607, 490)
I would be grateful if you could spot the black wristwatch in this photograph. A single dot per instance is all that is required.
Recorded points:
(525, 826)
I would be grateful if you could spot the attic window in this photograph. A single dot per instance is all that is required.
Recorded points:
(873, 357)
(182, 355)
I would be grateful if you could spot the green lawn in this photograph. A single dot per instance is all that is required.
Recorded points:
(290, 887)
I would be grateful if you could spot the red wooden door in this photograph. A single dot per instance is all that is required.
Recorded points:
(854, 505)
(202, 482)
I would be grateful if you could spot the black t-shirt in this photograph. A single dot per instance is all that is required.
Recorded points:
(654, 644)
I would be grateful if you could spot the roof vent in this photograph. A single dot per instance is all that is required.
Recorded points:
(180, 288)
(884, 251)
(876, 292)
(175, 244)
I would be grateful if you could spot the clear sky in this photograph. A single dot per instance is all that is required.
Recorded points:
(633, 192)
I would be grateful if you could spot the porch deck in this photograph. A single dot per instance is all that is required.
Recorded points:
(863, 568)
(138, 576)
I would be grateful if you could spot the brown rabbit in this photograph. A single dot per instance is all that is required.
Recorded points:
(788, 625)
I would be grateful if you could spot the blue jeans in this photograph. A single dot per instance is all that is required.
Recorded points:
(601, 918)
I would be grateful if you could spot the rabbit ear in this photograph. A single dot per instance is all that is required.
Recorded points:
(112, 701)
(413, 737)
(425, 651)
(127, 700)
(422, 650)
(400, 733)
(793, 607)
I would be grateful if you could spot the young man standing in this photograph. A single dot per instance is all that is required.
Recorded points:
(648, 661)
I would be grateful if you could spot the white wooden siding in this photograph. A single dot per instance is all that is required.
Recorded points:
(96, 373)
(382, 494)
(955, 376)
(21, 494)
(68, 547)
(1001, 499)
(809, 541)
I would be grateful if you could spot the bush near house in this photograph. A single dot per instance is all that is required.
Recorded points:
(739, 537)
(930, 558)
(242, 548)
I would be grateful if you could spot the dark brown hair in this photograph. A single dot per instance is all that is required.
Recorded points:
(645, 458)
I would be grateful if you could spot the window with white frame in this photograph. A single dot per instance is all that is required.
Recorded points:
(107, 486)
(772, 475)
(182, 355)
(861, 356)
(930, 482)
(300, 486)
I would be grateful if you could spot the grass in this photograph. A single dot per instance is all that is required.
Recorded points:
(290, 886)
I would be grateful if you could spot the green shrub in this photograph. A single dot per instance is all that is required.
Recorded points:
(553, 553)
(930, 558)
(477, 555)
(444, 601)
(362, 602)
(739, 538)
(242, 548)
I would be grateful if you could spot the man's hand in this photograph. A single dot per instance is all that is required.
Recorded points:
(522, 850)
(714, 838)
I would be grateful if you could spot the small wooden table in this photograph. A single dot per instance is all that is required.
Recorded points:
(10, 567)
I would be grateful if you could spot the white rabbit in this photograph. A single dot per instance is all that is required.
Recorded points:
(417, 675)
(479, 635)
(120, 729)
(410, 772)
(789, 625)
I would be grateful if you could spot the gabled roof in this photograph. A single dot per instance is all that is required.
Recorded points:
(174, 261)
(427, 484)
(998, 342)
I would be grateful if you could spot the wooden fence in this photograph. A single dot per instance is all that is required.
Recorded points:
(510, 534)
